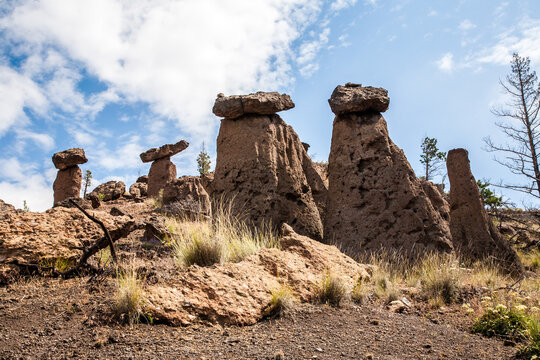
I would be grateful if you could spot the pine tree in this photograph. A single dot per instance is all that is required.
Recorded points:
(431, 157)
(203, 161)
(87, 181)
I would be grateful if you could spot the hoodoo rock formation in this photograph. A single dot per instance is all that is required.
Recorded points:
(375, 200)
(263, 166)
(473, 234)
(162, 170)
(69, 178)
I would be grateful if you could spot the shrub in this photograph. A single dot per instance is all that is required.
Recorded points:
(532, 349)
(330, 290)
(282, 300)
(501, 321)
(360, 290)
(129, 295)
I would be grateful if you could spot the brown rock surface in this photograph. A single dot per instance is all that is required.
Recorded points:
(262, 103)
(473, 234)
(138, 189)
(355, 98)
(5, 207)
(111, 190)
(186, 197)
(161, 152)
(239, 293)
(262, 164)
(161, 172)
(437, 200)
(375, 200)
(67, 184)
(67, 158)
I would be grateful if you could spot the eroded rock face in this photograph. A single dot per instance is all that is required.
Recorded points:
(111, 190)
(355, 98)
(67, 158)
(32, 238)
(375, 200)
(161, 172)
(138, 189)
(239, 293)
(262, 164)
(5, 207)
(262, 103)
(437, 200)
(474, 235)
(186, 197)
(166, 150)
(67, 184)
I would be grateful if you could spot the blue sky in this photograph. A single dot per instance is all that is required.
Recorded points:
(118, 77)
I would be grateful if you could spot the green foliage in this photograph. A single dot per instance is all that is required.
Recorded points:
(488, 197)
(532, 349)
(101, 196)
(431, 157)
(25, 206)
(501, 321)
(331, 290)
(87, 180)
(203, 161)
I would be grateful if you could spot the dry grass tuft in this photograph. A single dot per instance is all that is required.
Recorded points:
(330, 290)
(281, 301)
(129, 295)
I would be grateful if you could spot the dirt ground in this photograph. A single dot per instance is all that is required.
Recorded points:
(61, 319)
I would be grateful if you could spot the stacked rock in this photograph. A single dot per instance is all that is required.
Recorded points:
(69, 178)
(162, 170)
(263, 166)
(375, 200)
(111, 190)
(474, 235)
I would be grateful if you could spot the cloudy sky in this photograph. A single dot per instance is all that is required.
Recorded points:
(117, 77)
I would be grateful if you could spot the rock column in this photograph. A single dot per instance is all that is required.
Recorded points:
(474, 235)
(69, 178)
(162, 170)
(262, 165)
(375, 201)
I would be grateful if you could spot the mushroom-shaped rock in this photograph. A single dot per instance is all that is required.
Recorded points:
(110, 190)
(67, 158)
(161, 172)
(161, 152)
(355, 98)
(262, 103)
(473, 234)
(67, 184)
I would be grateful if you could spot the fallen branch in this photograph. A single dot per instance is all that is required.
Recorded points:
(103, 227)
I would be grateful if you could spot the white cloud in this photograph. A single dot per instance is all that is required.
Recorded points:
(16, 93)
(45, 141)
(338, 5)
(446, 62)
(308, 52)
(174, 55)
(125, 156)
(22, 182)
(466, 25)
(433, 13)
(343, 40)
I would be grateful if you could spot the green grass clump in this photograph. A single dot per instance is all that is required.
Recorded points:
(440, 279)
(225, 238)
(129, 295)
(330, 290)
(282, 300)
(500, 321)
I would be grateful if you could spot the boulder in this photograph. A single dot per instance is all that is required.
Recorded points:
(261, 165)
(262, 103)
(437, 200)
(67, 158)
(143, 179)
(240, 293)
(5, 207)
(474, 235)
(67, 184)
(375, 201)
(355, 98)
(187, 198)
(161, 172)
(164, 151)
(111, 190)
(138, 189)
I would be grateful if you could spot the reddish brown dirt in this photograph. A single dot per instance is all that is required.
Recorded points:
(57, 319)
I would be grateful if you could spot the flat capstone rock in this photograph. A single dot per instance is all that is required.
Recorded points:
(67, 158)
(353, 98)
(261, 103)
(163, 151)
